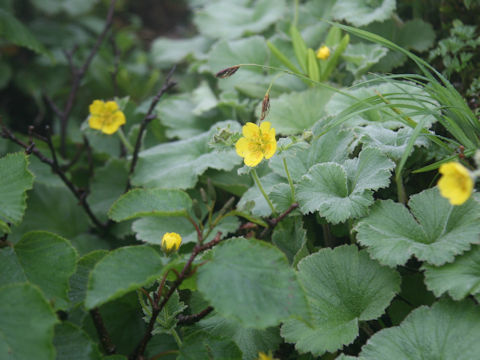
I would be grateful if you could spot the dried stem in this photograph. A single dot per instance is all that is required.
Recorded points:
(156, 308)
(103, 334)
(167, 85)
(192, 319)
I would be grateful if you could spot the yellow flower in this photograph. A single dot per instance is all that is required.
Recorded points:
(258, 142)
(263, 356)
(323, 53)
(171, 242)
(456, 183)
(105, 116)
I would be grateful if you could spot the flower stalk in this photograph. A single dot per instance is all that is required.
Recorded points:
(260, 187)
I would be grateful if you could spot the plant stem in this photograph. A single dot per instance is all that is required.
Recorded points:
(401, 194)
(124, 140)
(174, 333)
(290, 182)
(260, 187)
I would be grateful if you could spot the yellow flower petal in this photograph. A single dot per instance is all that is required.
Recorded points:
(111, 106)
(242, 146)
(270, 149)
(95, 122)
(253, 158)
(456, 184)
(250, 130)
(171, 242)
(119, 118)
(265, 127)
(96, 108)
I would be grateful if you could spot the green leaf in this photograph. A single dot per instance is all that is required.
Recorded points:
(151, 229)
(434, 231)
(108, 185)
(232, 18)
(79, 280)
(290, 237)
(188, 114)
(257, 289)
(250, 341)
(71, 7)
(391, 143)
(447, 330)
(343, 286)
(363, 12)
(313, 70)
(44, 259)
(334, 146)
(342, 192)
(296, 112)
(15, 180)
(23, 304)
(15, 32)
(167, 318)
(459, 279)
(361, 57)
(412, 100)
(120, 272)
(165, 52)
(150, 202)
(300, 48)
(178, 164)
(282, 58)
(72, 343)
(4, 228)
(52, 209)
(201, 345)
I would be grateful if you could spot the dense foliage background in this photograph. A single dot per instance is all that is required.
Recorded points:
(340, 246)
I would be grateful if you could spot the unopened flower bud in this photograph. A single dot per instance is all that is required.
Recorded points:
(323, 53)
(225, 73)
(307, 136)
(171, 242)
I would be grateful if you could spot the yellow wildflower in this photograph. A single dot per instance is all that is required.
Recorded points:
(256, 143)
(456, 183)
(105, 116)
(323, 53)
(263, 356)
(171, 242)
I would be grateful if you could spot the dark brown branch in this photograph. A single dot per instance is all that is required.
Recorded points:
(156, 308)
(102, 332)
(275, 221)
(167, 85)
(192, 319)
(78, 74)
(32, 149)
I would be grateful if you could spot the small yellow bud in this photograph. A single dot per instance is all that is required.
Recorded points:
(171, 242)
(323, 53)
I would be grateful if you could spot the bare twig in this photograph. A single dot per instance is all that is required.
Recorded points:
(275, 221)
(192, 319)
(53, 163)
(167, 85)
(156, 308)
(78, 74)
(102, 332)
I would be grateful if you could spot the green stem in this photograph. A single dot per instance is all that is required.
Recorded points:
(350, 233)
(124, 141)
(290, 182)
(260, 187)
(401, 194)
(176, 337)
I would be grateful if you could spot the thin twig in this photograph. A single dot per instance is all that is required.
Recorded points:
(32, 149)
(167, 85)
(192, 319)
(102, 332)
(78, 74)
(273, 222)
(156, 308)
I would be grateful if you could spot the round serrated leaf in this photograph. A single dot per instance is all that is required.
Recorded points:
(26, 324)
(201, 345)
(363, 12)
(447, 331)
(343, 286)
(121, 271)
(435, 231)
(72, 343)
(150, 202)
(44, 259)
(459, 279)
(15, 180)
(250, 281)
